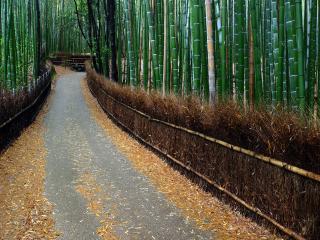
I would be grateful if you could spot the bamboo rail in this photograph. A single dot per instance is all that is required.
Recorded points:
(255, 210)
(269, 160)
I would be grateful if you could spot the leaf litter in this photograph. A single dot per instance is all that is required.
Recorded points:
(88, 187)
(25, 213)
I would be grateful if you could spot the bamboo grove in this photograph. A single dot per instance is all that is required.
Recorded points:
(252, 51)
(29, 31)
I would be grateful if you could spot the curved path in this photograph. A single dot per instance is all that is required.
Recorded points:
(92, 184)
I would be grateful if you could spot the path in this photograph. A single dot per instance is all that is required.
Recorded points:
(92, 184)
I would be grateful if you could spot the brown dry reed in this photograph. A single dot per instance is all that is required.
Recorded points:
(13, 104)
(292, 200)
(280, 134)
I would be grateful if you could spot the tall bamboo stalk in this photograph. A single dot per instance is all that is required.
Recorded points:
(152, 36)
(173, 48)
(299, 36)
(210, 45)
(196, 46)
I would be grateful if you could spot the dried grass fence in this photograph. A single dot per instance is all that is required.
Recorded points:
(286, 196)
(18, 110)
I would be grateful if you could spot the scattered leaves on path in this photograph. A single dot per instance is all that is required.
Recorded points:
(205, 210)
(88, 187)
(24, 211)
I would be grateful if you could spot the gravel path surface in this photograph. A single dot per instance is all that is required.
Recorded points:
(95, 190)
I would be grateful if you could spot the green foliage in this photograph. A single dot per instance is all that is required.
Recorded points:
(29, 31)
(164, 45)
(285, 49)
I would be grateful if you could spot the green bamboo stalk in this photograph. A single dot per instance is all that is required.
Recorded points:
(181, 33)
(239, 44)
(275, 45)
(119, 40)
(168, 53)
(299, 36)
(258, 94)
(130, 53)
(312, 56)
(6, 47)
(268, 53)
(230, 47)
(165, 48)
(204, 49)
(135, 39)
(218, 42)
(196, 45)
(160, 27)
(245, 9)
(223, 50)
(279, 69)
(210, 46)
(186, 57)
(152, 37)
(145, 53)
(292, 53)
(173, 48)
(38, 39)
(13, 50)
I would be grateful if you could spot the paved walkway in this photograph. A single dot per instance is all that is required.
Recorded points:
(79, 151)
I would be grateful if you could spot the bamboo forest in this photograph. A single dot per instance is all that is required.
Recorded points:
(254, 52)
(160, 119)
